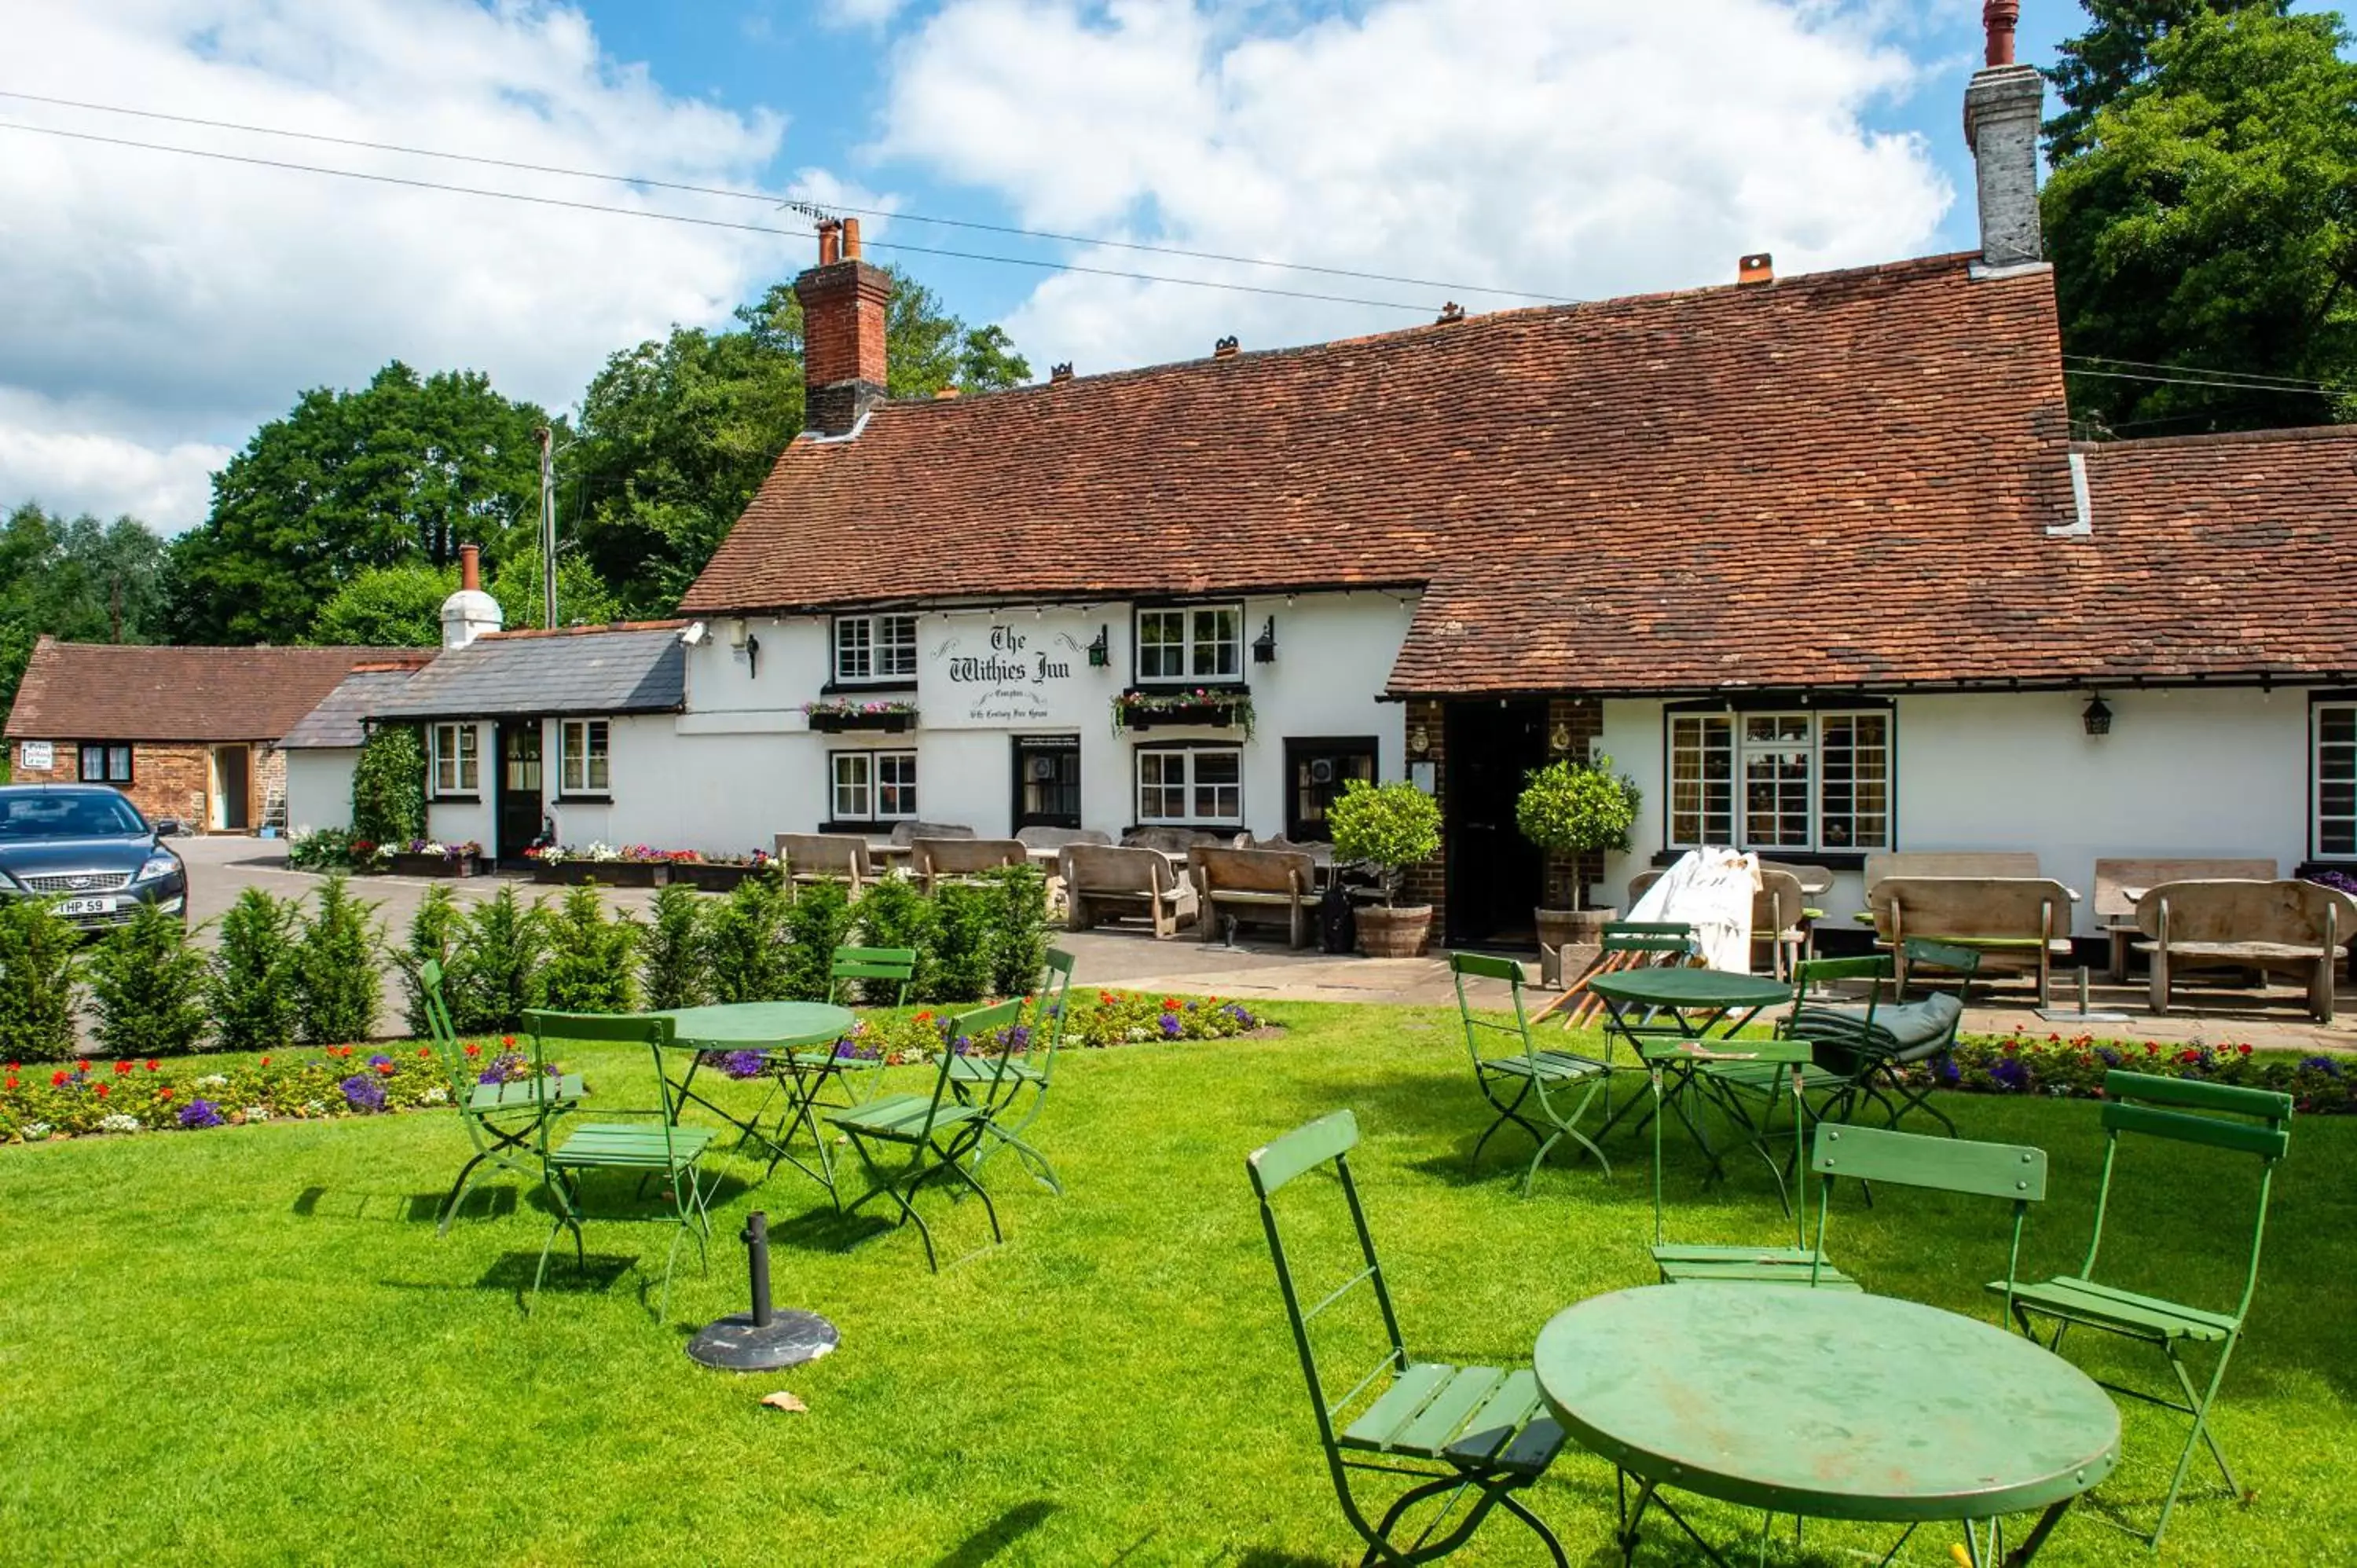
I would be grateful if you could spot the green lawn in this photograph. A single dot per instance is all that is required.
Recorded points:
(248, 1345)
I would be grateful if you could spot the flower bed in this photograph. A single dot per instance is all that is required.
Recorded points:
(2073, 1068)
(38, 1103)
(605, 865)
(423, 857)
(719, 876)
(1111, 1019)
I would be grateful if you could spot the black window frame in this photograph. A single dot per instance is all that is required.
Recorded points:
(2317, 703)
(1023, 747)
(1190, 747)
(1300, 749)
(106, 750)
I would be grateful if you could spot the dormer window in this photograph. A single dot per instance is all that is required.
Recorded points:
(1191, 642)
(875, 648)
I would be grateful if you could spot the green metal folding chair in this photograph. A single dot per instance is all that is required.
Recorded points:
(1543, 1092)
(664, 1150)
(1877, 1047)
(2015, 1171)
(2254, 1121)
(1801, 1263)
(1450, 1429)
(936, 1134)
(1026, 1079)
(802, 1076)
(502, 1117)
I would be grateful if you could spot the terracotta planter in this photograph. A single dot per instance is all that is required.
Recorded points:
(1387, 932)
(603, 874)
(1569, 940)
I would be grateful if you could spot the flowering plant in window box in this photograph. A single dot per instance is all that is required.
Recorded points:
(719, 874)
(1214, 707)
(428, 857)
(603, 865)
(832, 716)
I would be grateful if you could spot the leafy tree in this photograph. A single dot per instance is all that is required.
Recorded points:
(496, 970)
(402, 471)
(401, 607)
(671, 950)
(2208, 225)
(590, 967)
(147, 987)
(79, 579)
(2115, 55)
(39, 981)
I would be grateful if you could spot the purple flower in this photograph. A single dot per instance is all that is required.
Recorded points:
(2011, 1074)
(1946, 1074)
(962, 1044)
(1016, 1038)
(1171, 1026)
(202, 1113)
(744, 1064)
(380, 1059)
(363, 1093)
(1237, 1011)
(2111, 1058)
(2325, 1065)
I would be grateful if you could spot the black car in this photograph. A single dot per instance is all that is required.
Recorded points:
(86, 847)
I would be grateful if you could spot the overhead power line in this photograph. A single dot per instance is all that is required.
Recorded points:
(2207, 375)
(2216, 383)
(708, 222)
(798, 206)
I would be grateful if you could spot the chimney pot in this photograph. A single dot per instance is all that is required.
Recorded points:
(1063, 372)
(1226, 347)
(851, 239)
(1756, 268)
(1452, 311)
(470, 567)
(829, 242)
(843, 302)
(1998, 19)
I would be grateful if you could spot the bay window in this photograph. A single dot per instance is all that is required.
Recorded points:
(874, 786)
(1194, 642)
(1190, 785)
(455, 767)
(1806, 781)
(584, 757)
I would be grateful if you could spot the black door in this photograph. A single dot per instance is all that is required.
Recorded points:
(1494, 872)
(1047, 781)
(1316, 772)
(518, 804)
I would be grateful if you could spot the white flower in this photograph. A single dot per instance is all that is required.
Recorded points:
(436, 1095)
(314, 1108)
(118, 1123)
(36, 1131)
(257, 1113)
(213, 1080)
(1137, 1035)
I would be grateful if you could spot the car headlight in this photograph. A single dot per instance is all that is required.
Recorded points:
(157, 866)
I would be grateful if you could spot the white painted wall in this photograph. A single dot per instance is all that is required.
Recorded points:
(319, 787)
(457, 821)
(741, 764)
(2185, 773)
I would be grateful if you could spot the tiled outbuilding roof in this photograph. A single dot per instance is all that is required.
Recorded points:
(1840, 478)
(339, 719)
(591, 671)
(100, 690)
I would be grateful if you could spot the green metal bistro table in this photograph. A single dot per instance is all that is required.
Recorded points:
(1826, 1405)
(1659, 1008)
(776, 1030)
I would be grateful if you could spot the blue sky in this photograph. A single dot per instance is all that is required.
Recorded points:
(163, 305)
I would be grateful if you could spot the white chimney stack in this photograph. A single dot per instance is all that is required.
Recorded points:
(2002, 110)
(470, 612)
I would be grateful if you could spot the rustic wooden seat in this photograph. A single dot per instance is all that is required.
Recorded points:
(1057, 838)
(1179, 841)
(2286, 928)
(1100, 879)
(1976, 863)
(909, 832)
(952, 859)
(1253, 884)
(825, 857)
(2013, 922)
(2120, 882)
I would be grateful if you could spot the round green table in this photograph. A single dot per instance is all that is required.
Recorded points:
(1676, 1006)
(777, 1027)
(1825, 1405)
(1679, 989)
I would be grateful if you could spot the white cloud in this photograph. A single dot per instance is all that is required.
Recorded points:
(160, 306)
(1579, 147)
(862, 13)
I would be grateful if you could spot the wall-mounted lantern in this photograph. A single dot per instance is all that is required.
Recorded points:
(1264, 645)
(1559, 739)
(753, 657)
(1419, 741)
(1101, 651)
(2098, 716)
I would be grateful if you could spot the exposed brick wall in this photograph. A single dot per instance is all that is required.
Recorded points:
(1582, 720)
(1429, 883)
(843, 365)
(168, 781)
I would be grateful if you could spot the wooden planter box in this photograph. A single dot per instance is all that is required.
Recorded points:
(836, 724)
(431, 866)
(1208, 715)
(709, 879)
(603, 874)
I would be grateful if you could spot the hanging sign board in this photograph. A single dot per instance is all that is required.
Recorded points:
(1003, 672)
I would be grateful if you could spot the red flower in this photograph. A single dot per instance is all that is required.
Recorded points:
(507, 1042)
(473, 1049)
(2011, 1049)
(2245, 1048)
(1170, 1005)
(10, 1082)
(2188, 1055)
(924, 1017)
(384, 1069)
(266, 1061)
(104, 1090)
(426, 1050)
(164, 1092)
(153, 1066)
(57, 1080)
(121, 1068)
(2151, 1049)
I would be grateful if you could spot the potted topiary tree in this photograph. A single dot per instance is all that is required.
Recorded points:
(1571, 809)
(1390, 827)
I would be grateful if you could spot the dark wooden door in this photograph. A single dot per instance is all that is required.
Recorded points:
(519, 791)
(1494, 872)
(1047, 781)
(1316, 772)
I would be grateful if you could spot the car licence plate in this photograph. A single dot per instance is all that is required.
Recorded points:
(87, 907)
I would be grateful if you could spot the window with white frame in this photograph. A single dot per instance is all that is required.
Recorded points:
(1190, 785)
(1813, 783)
(875, 786)
(2336, 779)
(584, 757)
(457, 769)
(1192, 642)
(876, 648)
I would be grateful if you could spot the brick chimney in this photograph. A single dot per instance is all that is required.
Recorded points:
(2002, 109)
(843, 331)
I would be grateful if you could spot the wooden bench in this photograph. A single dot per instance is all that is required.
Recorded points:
(1973, 863)
(825, 857)
(2298, 929)
(955, 859)
(1103, 879)
(1179, 841)
(1253, 883)
(2013, 922)
(1057, 838)
(2119, 883)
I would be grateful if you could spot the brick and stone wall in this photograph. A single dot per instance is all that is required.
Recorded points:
(1582, 722)
(166, 781)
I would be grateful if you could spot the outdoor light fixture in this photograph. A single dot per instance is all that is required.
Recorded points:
(753, 658)
(1418, 740)
(2097, 716)
(1101, 651)
(1264, 645)
(1559, 737)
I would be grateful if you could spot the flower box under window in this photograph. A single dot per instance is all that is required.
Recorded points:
(841, 714)
(602, 873)
(406, 865)
(1206, 708)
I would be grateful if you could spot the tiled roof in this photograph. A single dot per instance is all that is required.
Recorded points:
(1839, 479)
(97, 691)
(637, 669)
(338, 720)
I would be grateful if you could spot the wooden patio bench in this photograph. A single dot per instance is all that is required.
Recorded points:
(1253, 884)
(2019, 923)
(825, 857)
(1102, 879)
(2119, 883)
(2298, 929)
(961, 859)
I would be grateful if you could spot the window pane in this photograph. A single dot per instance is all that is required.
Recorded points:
(1776, 797)
(1774, 728)
(599, 744)
(1161, 786)
(1161, 645)
(2336, 781)
(851, 792)
(1701, 797)
(853, 650)
(1218, 786)
(1218, 651)
(2336, 726)
(896, 645)
(1853, 753)
(896, 784)
(469, 774)
(93, 765)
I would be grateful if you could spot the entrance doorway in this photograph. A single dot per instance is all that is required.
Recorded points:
(1047, 781)
(518, 792)
(232, 790)
(1495, 874)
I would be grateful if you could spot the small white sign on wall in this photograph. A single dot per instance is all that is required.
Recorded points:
(1019, 670)
(35, 755)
